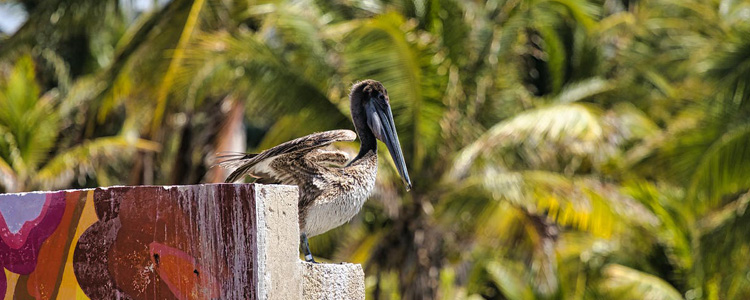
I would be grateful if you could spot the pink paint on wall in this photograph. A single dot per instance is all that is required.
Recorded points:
(19, 250)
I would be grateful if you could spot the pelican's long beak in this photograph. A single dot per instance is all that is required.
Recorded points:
(380, 120)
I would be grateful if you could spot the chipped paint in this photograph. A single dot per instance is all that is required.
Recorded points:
(201, 234)
(213, 241)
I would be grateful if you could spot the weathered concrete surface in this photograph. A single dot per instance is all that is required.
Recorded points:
(278, 242)
(332, 281)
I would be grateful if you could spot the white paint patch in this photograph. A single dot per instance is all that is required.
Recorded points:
(17, 209)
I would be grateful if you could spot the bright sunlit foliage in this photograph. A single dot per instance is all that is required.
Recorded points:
(559, 149)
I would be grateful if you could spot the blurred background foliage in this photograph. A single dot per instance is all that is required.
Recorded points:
(559, 149)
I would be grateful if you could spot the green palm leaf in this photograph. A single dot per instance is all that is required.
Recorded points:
(581, 203)
(724, 168)
(28, 122)
(166, 85)
(7, 177)
(82, 159)
(574, 124)
(272, 82)
(584, 89)
(507, 278)
(621, 282)
(379, 49)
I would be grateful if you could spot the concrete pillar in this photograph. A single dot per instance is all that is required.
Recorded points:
(332, 281)
(213, 241)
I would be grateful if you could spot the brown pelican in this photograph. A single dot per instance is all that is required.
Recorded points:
(331, 191)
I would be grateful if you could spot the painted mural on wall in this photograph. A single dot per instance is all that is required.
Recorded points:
(187, 242)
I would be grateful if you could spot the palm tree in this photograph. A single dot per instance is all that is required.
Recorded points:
(701, 153)
(288, 58)
(559, 149)
(30, 126)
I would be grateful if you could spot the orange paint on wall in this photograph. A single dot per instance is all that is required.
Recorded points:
(69, 288)
(182, 274)
(43, 281)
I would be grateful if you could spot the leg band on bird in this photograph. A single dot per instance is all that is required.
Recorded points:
(306, 248)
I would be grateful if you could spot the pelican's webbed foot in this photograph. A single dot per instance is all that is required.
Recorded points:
(306, 249)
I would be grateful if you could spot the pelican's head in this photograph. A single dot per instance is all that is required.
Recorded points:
(370, 106)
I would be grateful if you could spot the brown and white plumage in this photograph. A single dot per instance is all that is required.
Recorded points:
(308, 147)
(331, 190)
(320, 174)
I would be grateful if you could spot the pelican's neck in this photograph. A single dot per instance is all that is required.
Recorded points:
(368, 143)
(359, 118)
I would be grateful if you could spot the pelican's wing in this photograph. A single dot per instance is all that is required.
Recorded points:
(264, 165)
(328, 157)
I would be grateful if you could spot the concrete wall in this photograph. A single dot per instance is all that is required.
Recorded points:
(216, 241)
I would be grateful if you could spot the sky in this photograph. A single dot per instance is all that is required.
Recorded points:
(12, 17)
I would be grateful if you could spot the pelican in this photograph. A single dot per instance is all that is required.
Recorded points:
(331, 191)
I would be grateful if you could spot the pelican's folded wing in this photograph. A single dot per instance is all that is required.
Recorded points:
(261, 165)
(328, 157)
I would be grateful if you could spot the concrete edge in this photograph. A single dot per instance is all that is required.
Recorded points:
(277, 253)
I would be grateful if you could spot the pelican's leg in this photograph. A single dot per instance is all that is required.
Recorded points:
(306, 248)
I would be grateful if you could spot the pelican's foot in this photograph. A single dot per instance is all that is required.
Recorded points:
(306, 249)
(309, 258)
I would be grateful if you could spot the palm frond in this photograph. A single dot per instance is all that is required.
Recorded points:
(674, 219)
(673, 151)
(19, 91)
(584, 89)
(359, 245)
(577, 126)
(272, 85)
(725, 214)
(12, 153)
(29, 120)
(7, 177)
(555, 56)
(622, 282)
(450, 21)
(82, 159)
(724, 169)
(61, 69)
(139, 63)
(730, 68)
(583, 11)
(508, 278)
(166, 85)
(632, 124)
(284, 129)
(380, 49)
(581, 203)
(723, 239)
